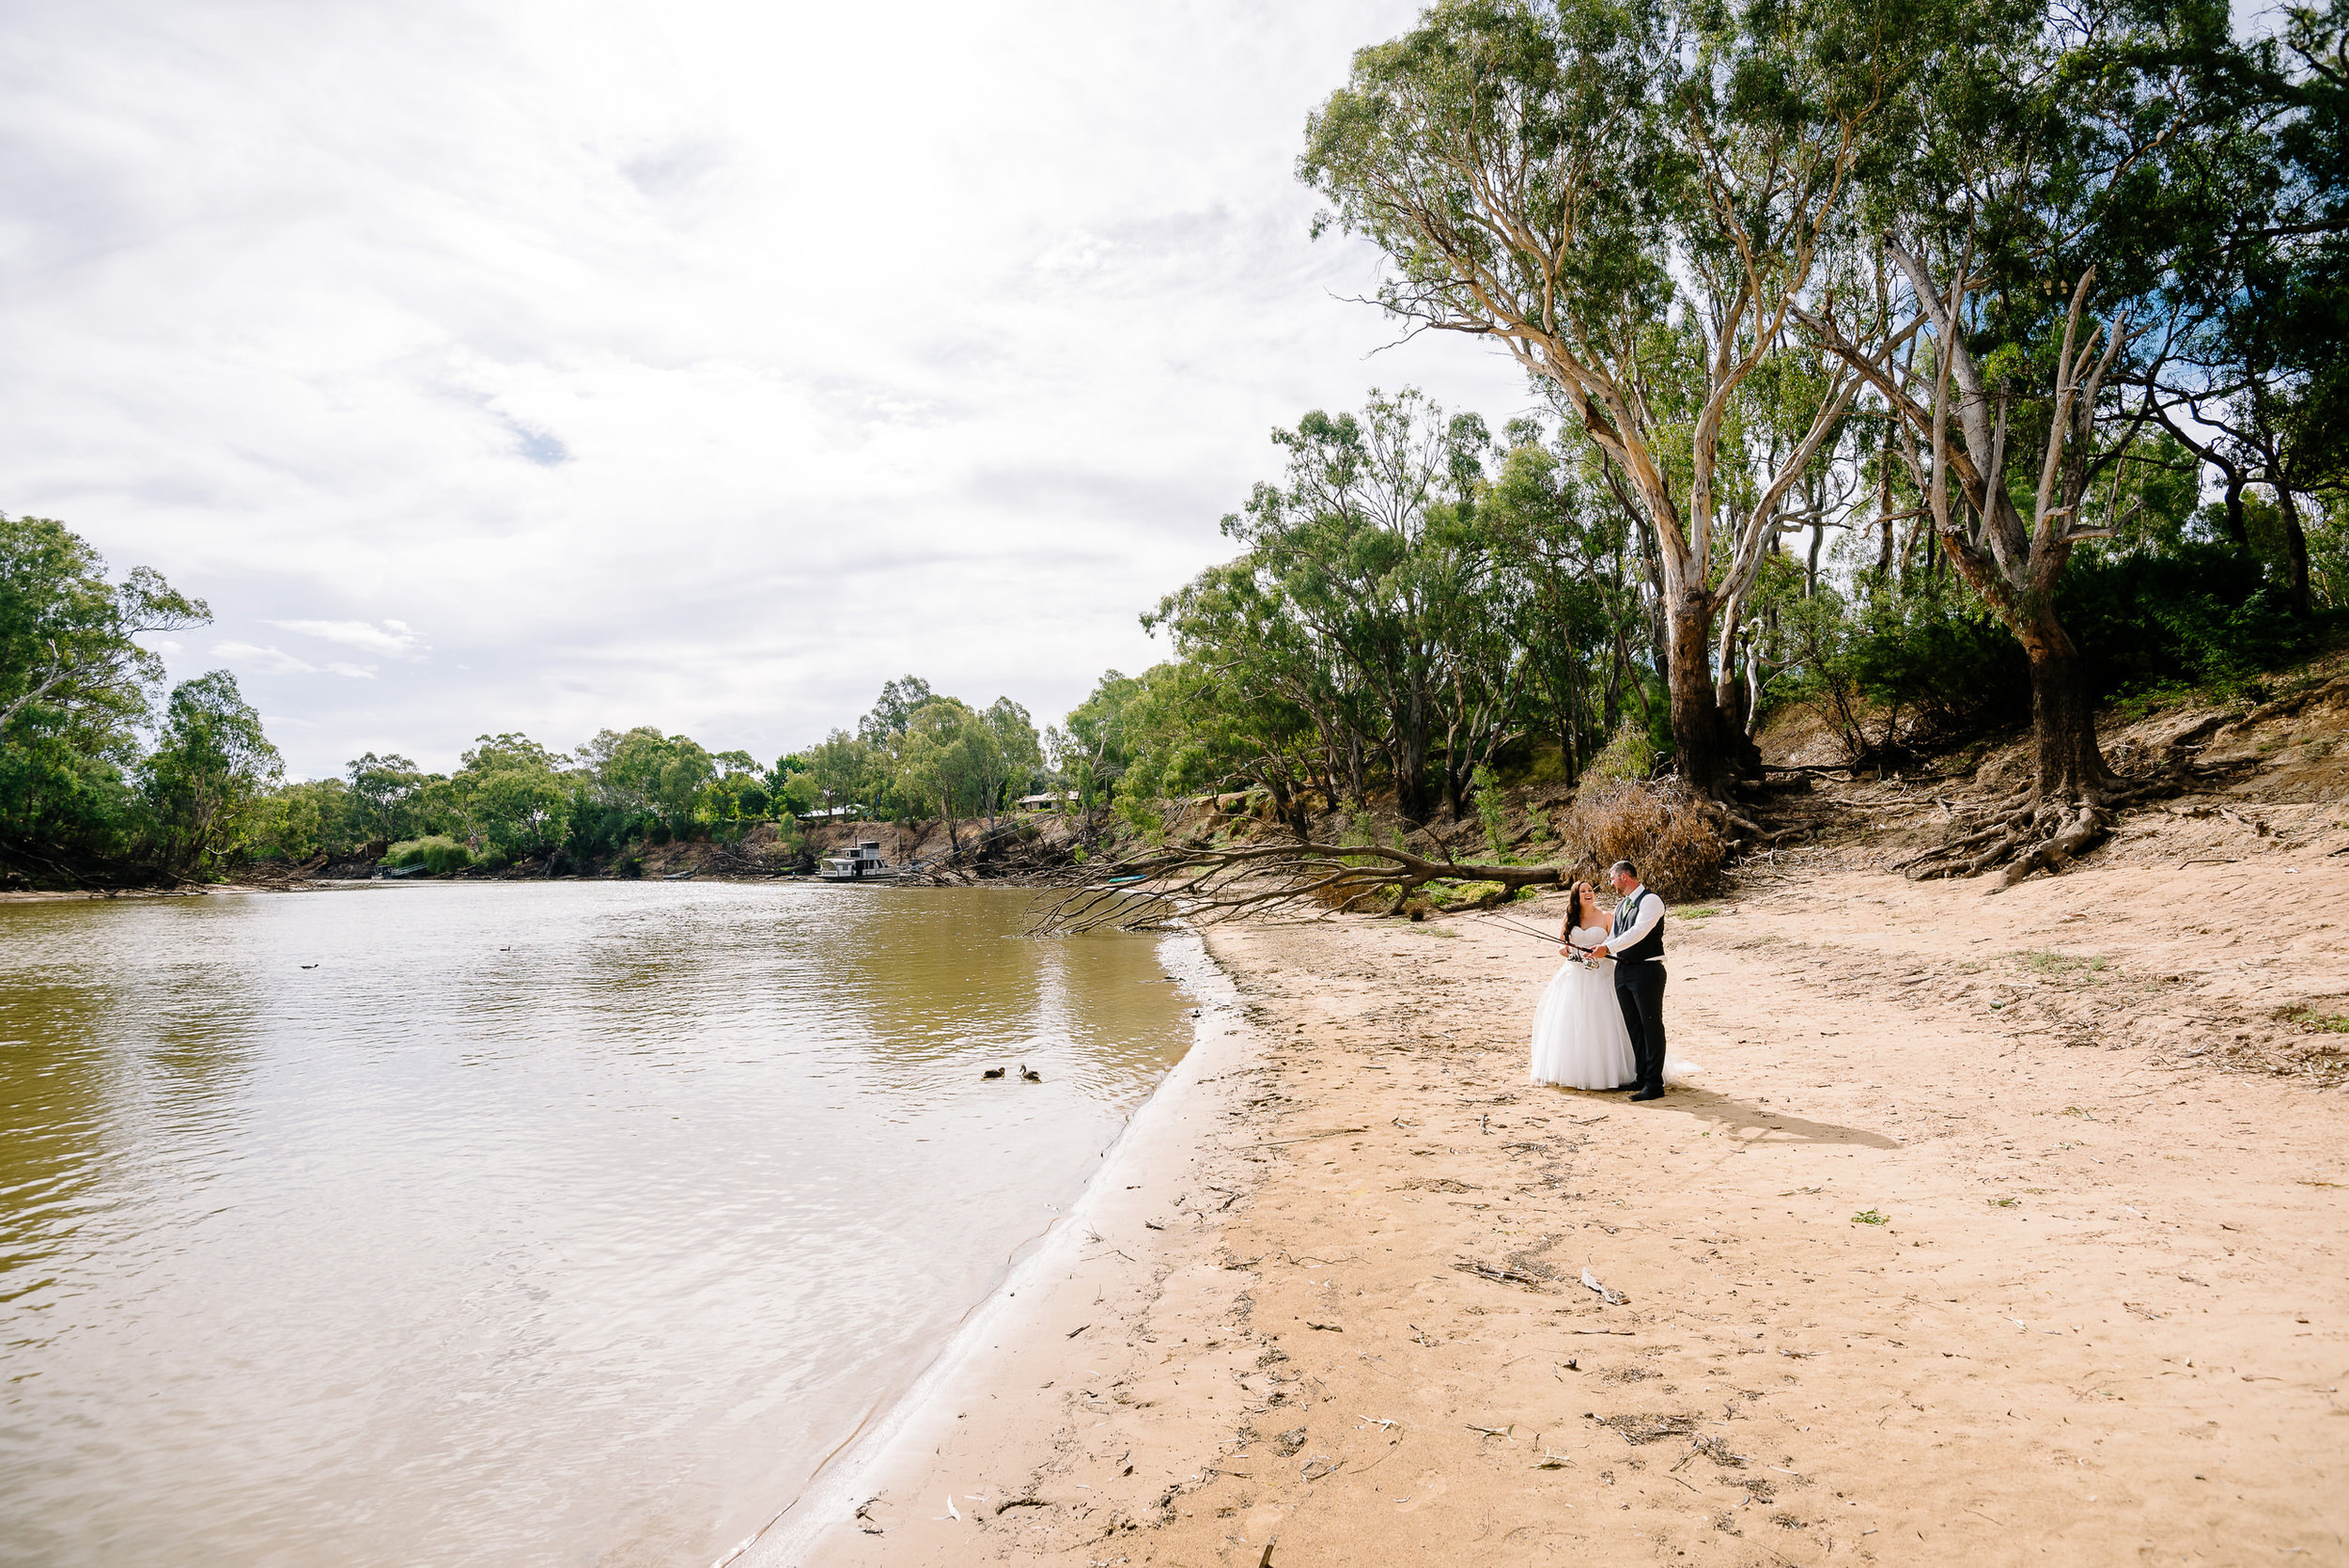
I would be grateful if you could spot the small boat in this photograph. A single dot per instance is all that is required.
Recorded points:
(861, 863)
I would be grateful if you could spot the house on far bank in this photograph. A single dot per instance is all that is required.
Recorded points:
(1052, 799)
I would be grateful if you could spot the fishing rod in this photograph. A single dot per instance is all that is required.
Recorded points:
(1554, 939)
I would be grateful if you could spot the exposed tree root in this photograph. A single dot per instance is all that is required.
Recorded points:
(2026, 835)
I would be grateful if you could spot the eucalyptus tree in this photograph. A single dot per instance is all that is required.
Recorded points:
(892, 713)
(1371, 549)
(1576, 604)
(848, 771)
(1090, 754)
(1632, 197)
(68, 635)
(2005, 207)
(1190, 727)
(210, 764)
(380, 798)
(938, 760)
(1006, 754)
(76, 686)
(1255, 697)
(643, 773)
(515, 794)
(2251, 373)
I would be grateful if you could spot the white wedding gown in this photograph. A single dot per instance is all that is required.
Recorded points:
(1579, 1037)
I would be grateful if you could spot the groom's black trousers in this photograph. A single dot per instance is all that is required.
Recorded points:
(1639, 992)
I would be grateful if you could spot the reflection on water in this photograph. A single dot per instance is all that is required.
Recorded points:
(558, 1223)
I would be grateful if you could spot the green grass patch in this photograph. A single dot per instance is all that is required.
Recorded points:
(1870, 1217)
(1446, 894)
(1701, 911)
(2048, 961)
(2153, 700)
(2321, 1023)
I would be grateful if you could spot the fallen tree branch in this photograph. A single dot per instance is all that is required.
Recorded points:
(1201, 881)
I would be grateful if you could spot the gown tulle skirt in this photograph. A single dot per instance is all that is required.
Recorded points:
(1579, 1038)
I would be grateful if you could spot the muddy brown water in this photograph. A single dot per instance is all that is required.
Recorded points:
(515, 1224)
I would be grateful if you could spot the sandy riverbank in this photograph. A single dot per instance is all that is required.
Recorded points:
(2105, 1317)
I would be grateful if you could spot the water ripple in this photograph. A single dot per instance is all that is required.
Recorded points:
(536, 1224)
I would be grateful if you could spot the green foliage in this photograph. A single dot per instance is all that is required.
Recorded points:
(513, 795)
(69, 664)
(1398, 616)
(848, 771)
(1492, 814)
(206, 775)
(1631, 754)
(892, 715)
(1885, 666)
(298, 822)
(1090, 755)
(76, 692)
(800, 795)
(2205, 612)
(1926, 661)
(438, 854)
(383, 798)
(646, 774)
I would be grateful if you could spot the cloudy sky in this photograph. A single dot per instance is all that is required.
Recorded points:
(550, 368)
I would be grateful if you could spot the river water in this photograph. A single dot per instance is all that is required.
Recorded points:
(557, 1224)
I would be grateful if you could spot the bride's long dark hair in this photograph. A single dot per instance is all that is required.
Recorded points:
(1574, 908)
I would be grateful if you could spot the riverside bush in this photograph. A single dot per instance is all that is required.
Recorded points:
(1656, 826)
(437, 854)
(1493, 814)
(1927, 661)
(1631, 755)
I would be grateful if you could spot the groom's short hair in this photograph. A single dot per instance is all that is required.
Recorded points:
(1625, 867)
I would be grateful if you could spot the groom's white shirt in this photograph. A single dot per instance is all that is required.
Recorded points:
(1646, 910)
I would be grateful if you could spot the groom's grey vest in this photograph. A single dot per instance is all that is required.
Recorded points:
(1648, 947)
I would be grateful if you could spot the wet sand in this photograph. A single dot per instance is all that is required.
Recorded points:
(1982, 1239)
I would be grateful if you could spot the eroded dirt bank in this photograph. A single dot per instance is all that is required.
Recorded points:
(2103, 1317)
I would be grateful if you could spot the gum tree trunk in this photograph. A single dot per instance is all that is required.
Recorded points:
(1698, 732)
(2070, 766)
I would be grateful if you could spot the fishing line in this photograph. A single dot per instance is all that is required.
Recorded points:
(1554, 939)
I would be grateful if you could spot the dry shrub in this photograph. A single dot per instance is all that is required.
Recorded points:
(1335, 898)
(1657, 826)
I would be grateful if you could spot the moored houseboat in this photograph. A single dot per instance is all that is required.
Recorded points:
(861, 863)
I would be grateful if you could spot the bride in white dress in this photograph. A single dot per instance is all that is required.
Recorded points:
(1579, 1038)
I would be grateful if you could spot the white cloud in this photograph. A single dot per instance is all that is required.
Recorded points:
(251, 657)
(270, 659)
(702, 364)
(392, 637)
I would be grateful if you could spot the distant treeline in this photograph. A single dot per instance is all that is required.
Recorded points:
(108, 779)
(916, 755)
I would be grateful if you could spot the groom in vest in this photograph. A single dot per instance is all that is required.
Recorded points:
(1638, 948)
